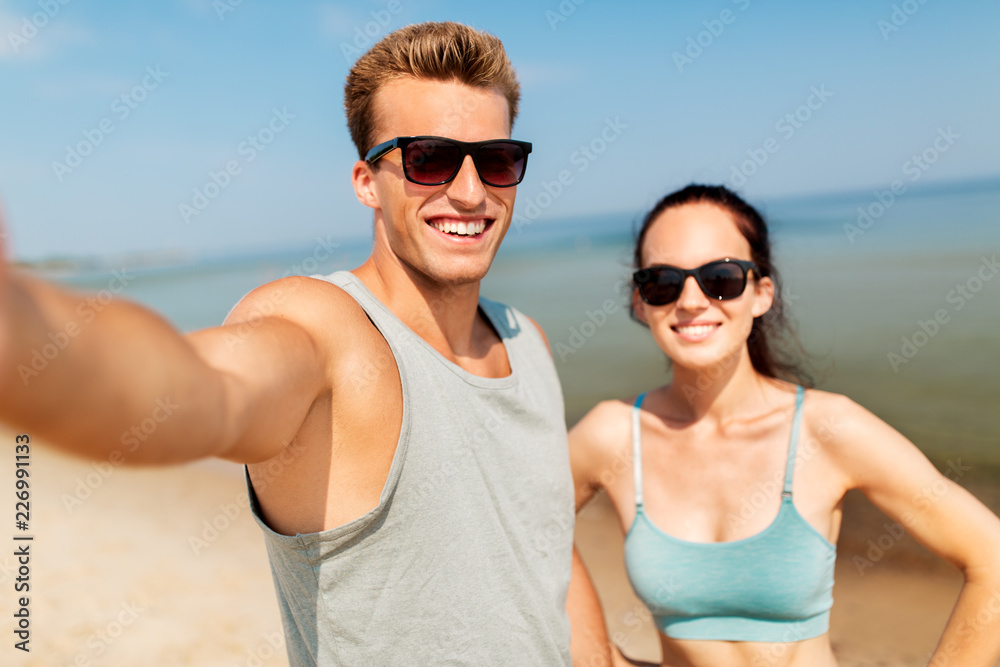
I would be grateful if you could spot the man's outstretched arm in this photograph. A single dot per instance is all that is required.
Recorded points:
(96, 380)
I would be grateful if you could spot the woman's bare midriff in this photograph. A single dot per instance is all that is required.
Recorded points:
(814, 652)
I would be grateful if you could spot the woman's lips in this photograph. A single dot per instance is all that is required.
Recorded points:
(695, 332)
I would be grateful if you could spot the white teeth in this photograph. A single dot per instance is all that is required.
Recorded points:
(698, 330)
(460, 228)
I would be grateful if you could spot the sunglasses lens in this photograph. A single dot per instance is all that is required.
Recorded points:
(501, 164)
(659, 286)
(722, 280)
(432, 162)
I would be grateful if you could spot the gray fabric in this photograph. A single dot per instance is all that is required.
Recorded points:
(466, 559)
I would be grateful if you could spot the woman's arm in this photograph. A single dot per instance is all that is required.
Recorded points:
(587, 449)
(940, 514)
(589, 643)
(592, 446)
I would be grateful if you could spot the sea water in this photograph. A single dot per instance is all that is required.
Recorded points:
(897, 302)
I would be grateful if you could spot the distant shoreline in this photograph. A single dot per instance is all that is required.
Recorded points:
(518, 235)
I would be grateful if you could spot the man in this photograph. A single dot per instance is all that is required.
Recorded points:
(404, 439)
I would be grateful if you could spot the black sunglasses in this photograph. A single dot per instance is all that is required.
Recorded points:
(436, 160)
(722, 279)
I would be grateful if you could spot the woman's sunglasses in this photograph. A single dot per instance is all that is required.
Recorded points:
(436, 160)
(722, 279)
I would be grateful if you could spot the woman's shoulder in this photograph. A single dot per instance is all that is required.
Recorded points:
(607, 418)
(605, 430)
(829, 405)
(837, 423)
(601, 446)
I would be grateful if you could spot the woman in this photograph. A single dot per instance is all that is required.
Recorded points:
(730, 479)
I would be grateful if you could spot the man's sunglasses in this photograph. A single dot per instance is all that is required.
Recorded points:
(722, 279)
(436, 160)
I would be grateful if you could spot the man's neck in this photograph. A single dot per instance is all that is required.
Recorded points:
(444, 315)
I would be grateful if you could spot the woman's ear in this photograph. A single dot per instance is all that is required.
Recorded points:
(639, 307)
(763, 297)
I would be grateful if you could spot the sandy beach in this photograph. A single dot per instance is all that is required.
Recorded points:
(165, 567)
(118, 576)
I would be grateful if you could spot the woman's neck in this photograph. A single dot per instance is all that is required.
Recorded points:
(721, 390)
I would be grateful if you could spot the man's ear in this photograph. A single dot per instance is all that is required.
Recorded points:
(363, 180)
(763, 296)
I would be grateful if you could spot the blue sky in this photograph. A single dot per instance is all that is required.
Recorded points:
(818, 97)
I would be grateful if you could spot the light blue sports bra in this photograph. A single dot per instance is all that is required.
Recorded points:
(775, 586)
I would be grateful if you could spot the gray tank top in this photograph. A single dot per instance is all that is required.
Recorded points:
(466, 559)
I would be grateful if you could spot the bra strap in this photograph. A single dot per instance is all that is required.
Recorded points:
(637, 449)
(793, 443)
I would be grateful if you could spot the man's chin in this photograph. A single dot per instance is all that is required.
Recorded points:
(456, 272)
(446, 278)
(459, 278)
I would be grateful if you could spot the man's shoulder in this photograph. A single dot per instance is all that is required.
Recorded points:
(510, 317)
(317, 305)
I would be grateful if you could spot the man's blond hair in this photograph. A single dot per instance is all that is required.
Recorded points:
(437, 51)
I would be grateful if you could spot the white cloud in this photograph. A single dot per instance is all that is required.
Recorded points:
(336, 20)
(8, 24)
(199, 7)
(112, 86)
(533, 74)
(34, 36)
